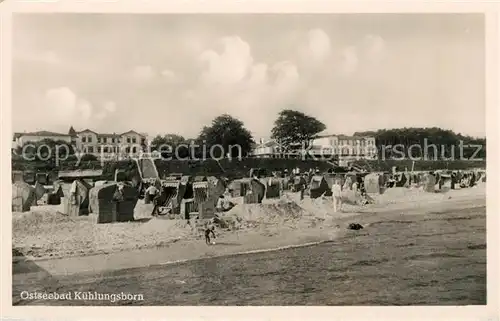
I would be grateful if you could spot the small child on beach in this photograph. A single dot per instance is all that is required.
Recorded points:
(209, 230)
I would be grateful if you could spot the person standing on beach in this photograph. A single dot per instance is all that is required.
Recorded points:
(209, 230)
(302, 186)
(337, 194)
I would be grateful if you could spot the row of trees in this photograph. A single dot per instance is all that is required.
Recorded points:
(291, 127)
(47, 154)
(292, 130)
(446, 141)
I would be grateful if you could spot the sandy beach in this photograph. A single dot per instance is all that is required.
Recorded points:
(64, 246)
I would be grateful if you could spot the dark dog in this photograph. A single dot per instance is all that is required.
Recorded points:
(355, 226)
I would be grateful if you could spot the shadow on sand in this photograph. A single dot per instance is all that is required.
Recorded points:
(142, 220)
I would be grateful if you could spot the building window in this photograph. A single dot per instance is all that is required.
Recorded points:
(90, 139)
(134, 140)
(84, 139)
(113, 140)
(98, 139)
(98, 149)
(105, 149)
(90, 149)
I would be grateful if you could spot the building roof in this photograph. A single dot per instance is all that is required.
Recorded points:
(108, 135)
(87, 131)
(112, 134)
(133, 132)
(41, 133)
(88, 173)
(268, 143)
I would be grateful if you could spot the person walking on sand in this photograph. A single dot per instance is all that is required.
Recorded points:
(337, 196)
(209, 230)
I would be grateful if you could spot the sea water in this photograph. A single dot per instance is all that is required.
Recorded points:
(427, 259)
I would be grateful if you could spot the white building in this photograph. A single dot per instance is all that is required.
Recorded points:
(327, 146)
(130, 143)
(108, 145)
(345, 147)
(21, 139)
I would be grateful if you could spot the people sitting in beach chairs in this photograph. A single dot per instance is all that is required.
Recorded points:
(223, 204)
(151, 193)
(391, 182)
(158, 201)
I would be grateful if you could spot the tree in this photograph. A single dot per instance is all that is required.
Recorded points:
(293, 127)
(170, 143)
(46, 153)
(229, 134)
(45, 149)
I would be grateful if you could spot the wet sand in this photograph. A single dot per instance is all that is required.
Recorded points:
(424, 257)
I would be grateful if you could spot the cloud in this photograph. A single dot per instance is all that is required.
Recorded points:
(62, 101)
(319, 45)
(313, 50)
(350, 60)
(84, 108)
(101, 115)
(374, 46)
(66, 108)
(110, 106)
(169, 75)
(232, 81)
(143, 73)
(286, 76)
(258, 75)
(107, 109)
(45, 57)
(231, 65)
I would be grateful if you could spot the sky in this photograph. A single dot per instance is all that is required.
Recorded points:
(174, 73)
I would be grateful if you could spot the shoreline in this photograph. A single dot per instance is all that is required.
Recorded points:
(276, 249)
(180, 252)
(188, 251)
